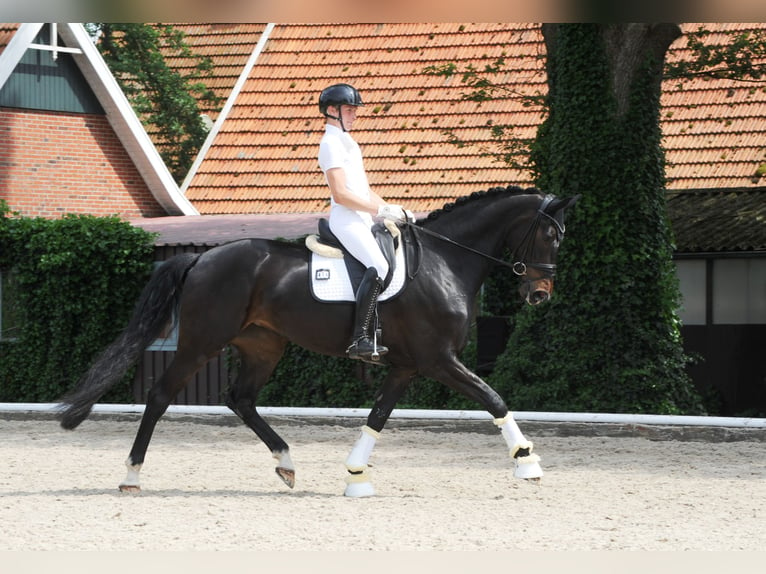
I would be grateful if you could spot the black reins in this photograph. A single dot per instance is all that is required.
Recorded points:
(519, 267)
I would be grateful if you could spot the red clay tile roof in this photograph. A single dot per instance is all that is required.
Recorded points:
(264, 158)
(714, 129)
(7, 30)
(228, 46)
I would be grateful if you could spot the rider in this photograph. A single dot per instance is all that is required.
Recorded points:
(352, 206)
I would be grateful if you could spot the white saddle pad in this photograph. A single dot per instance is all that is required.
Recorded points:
(330, 282)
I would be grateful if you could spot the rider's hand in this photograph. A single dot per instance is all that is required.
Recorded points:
(392, 211)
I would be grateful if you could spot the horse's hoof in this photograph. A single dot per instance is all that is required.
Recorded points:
(130, 488)
(358, 484)
(359, 490)
(528, 467)
(287, 475)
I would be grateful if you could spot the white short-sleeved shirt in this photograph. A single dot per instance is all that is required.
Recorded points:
(338, 149)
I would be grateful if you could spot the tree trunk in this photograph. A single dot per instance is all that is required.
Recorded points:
(627, 46)
(609, 340)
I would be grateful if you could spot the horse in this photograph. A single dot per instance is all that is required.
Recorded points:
(254, 295)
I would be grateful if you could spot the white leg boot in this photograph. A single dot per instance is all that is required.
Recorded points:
(527, 465)
(358, 483)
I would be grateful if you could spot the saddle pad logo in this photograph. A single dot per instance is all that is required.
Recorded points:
(322, 275)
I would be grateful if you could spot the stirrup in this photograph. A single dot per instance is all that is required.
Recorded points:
(371, 351)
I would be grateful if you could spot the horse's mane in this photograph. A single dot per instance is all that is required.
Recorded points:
(477, 195)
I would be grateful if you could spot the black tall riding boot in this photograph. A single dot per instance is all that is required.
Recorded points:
(363, 346)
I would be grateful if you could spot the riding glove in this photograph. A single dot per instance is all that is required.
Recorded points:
(393, 212)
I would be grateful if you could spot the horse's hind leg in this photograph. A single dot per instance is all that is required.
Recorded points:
(260, 350)
(175, 378)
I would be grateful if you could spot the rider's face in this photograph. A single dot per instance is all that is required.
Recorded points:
(348, 113)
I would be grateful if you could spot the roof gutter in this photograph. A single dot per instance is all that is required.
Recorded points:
(228, 106)
(754, 254)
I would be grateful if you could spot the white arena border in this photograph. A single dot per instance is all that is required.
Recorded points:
(421, 414)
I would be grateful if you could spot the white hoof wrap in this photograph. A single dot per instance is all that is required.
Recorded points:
(526, 466)
(360, 454)
(359, 485)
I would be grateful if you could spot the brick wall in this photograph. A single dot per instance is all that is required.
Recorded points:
(52, 163)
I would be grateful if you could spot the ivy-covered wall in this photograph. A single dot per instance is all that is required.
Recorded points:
(75, 281)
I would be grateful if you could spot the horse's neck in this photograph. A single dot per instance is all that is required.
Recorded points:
(484, 228)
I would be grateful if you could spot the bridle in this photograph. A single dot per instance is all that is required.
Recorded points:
(519, 265)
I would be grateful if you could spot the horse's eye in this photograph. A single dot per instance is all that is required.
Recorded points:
(552, 234)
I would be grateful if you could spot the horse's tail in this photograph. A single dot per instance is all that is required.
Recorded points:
(152, 313)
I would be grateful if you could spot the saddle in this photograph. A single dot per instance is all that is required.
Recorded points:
(386, 234)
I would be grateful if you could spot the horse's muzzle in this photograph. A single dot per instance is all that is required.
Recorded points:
(538, 296)
(536, 292)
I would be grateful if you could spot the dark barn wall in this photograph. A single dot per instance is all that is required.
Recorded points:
(208, 385)
(733, 364)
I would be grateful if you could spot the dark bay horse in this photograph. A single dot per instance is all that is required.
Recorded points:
(254, 294)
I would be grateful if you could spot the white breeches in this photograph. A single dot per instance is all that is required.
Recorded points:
(355, 235)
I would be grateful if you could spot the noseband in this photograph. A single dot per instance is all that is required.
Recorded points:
(519, 266)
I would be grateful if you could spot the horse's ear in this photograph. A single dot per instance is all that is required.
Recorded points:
(560, 204)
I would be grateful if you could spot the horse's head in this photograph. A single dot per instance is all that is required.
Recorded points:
(535, 257)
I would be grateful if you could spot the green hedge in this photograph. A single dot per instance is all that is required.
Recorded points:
(75, 281)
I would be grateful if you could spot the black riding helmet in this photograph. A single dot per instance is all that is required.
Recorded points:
(338, 95)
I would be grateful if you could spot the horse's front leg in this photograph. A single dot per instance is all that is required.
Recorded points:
(358, 484)
(527, 463)
(457, 376)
